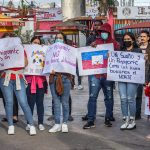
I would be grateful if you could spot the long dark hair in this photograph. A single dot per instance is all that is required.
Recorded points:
(64, 37)
(132, 36)
(36, 37)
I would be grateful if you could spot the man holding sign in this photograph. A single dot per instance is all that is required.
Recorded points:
(98, 81)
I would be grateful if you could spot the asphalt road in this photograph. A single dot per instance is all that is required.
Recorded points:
(99, 138)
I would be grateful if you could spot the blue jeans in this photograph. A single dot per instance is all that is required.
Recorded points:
(95, 86)
(64, 99)
(21, 97)
(127, 93)
(38, 99)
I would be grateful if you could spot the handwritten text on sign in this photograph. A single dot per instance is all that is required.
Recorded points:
(11, 53)
(60, 58)
(93, 60)
(126, 67)
(36, 58)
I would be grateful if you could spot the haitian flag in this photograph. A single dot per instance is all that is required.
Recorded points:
(93, 60)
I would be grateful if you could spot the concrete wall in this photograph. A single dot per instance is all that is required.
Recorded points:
(72, 8)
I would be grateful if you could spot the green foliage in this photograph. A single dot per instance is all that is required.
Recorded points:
(109, 2)
(25, 37)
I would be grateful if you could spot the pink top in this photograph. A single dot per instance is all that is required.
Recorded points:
(35, 80)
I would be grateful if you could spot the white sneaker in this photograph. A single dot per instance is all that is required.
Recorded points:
(11, 130)
(75, 87)
(41, 127)
(32, 130)
(126, 123)
(64, 128)
(132, 124)
(80, 87)
(28, 127)
(55, 128)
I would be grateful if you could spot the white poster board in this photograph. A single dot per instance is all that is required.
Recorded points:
(126, 67)
(36, 59)
(93, 60)
(11, 53)
(147, 110)
(60, 58)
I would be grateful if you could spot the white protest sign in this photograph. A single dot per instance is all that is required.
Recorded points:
(147, 104)
(93, 60)
(126, 67)
(60, 58)
(11, 53)
(36, 58)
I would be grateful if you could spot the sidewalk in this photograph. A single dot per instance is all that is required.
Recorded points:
(99, 138)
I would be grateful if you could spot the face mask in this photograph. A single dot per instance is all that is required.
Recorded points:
(127, 43)
(59, 40)
(104, 36)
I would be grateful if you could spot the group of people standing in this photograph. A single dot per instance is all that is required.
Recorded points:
(130, 93)
(12, 82)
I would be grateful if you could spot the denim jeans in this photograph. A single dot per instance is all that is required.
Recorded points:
(64, 99)
(36, 98)
(70, 106)
(15, 104)
(95, 86)
(21, 97)
(139, 99)
(127, 93)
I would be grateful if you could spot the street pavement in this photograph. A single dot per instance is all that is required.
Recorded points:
(98, 138)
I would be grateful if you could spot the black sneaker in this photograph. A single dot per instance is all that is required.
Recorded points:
(85, 118)
(112, 119)
(89, 125)
(50, 118)
(107, 123)
(70, 118)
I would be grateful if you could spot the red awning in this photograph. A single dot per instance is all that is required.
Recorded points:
(69, 25)
(135, 26)
(10, 22)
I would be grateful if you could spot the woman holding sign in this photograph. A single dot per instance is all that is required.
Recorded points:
(128, 90)
(12, 81)
(60, 86)
(37, 87)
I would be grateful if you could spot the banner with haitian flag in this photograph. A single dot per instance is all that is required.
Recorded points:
(93, 60)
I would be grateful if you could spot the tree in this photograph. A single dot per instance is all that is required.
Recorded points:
(104, 5)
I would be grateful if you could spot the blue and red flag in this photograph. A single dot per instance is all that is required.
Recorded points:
(94, 60)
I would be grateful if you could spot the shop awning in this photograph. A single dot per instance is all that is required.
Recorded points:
(69, 25)
(135, 26)
(9, 21)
